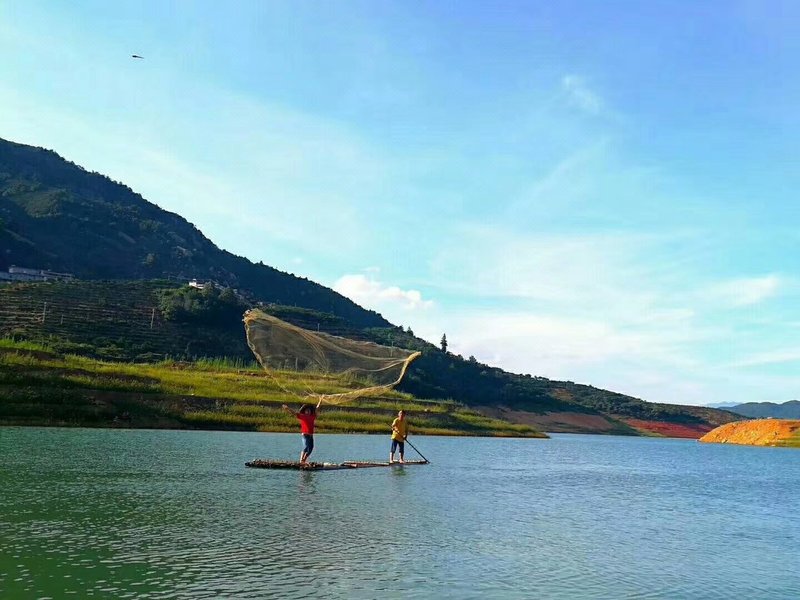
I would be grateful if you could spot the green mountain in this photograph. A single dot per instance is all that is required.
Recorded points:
(762, 410)
(58, 216)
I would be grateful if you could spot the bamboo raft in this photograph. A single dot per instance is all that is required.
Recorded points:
(315, 466)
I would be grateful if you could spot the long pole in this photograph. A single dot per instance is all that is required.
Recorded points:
(415, 449)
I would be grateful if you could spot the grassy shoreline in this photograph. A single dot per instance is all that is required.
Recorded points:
(41, 387)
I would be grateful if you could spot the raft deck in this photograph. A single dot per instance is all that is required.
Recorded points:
(315, 466)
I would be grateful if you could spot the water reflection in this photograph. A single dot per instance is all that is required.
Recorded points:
(307, 482)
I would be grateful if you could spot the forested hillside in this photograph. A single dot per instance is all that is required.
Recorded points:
(56, 215)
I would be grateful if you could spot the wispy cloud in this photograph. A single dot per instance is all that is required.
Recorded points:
(745, 291)
(616, 309)
(775, 357)
(253, 194)
(580, 95)
(590, 271)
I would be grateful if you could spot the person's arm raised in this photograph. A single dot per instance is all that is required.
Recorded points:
(289, 410)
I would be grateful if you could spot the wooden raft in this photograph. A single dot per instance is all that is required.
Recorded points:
(315, 466)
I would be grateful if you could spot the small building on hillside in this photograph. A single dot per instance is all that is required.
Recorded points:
(201, 285)
(15, 273)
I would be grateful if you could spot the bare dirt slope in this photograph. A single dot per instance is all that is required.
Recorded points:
(762, 432)
(667, 429)
(560, 422)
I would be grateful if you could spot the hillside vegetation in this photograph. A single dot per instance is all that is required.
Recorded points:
(158, 320)
(56, 215)
(41, 387)
(116, 320)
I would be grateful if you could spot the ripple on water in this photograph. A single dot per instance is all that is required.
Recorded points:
(153, 514)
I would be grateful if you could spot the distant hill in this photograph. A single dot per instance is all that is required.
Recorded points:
(56, 215)
(761, 410)
(719, 405)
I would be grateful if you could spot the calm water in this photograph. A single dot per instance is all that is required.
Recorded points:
(169, 514)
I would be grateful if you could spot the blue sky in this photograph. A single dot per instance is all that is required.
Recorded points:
(604, 192)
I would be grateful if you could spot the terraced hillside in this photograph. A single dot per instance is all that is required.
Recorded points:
(41, 387)
(124, 321)
(118, 320)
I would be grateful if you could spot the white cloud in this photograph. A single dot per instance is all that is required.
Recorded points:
(617, 310)
(580, 95)
(549, 343)
(598, 273)
(371, 293)
(745, 291)
(648, 361)
(769, 358)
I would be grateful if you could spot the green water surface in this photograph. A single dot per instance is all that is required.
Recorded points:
(174, 514)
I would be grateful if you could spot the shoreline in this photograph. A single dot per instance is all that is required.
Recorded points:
(39, 387)
(454, 434)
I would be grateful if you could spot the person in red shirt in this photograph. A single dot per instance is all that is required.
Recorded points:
(306, 415)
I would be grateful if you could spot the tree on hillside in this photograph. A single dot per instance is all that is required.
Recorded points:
(443, 343)
(210, 306)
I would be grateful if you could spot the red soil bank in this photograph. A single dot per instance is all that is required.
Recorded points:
(676, 430)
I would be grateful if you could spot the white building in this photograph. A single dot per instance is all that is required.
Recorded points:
(25, 274)
(201, 285)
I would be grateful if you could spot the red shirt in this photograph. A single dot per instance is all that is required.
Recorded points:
(306, 423)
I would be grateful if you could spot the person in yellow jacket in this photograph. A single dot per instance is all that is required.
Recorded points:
(399, 434)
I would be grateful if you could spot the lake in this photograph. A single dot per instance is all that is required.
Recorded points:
(175, 514)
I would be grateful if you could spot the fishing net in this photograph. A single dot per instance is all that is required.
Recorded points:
(365, 367)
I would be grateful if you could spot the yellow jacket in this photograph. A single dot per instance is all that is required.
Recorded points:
(399, 429)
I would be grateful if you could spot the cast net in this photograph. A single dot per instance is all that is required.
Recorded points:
(365, 368)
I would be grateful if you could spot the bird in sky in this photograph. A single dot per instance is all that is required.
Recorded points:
(136, 56)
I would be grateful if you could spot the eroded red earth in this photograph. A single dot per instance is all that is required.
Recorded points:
(676, 430)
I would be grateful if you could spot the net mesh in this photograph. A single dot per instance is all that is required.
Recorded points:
(370, 368)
